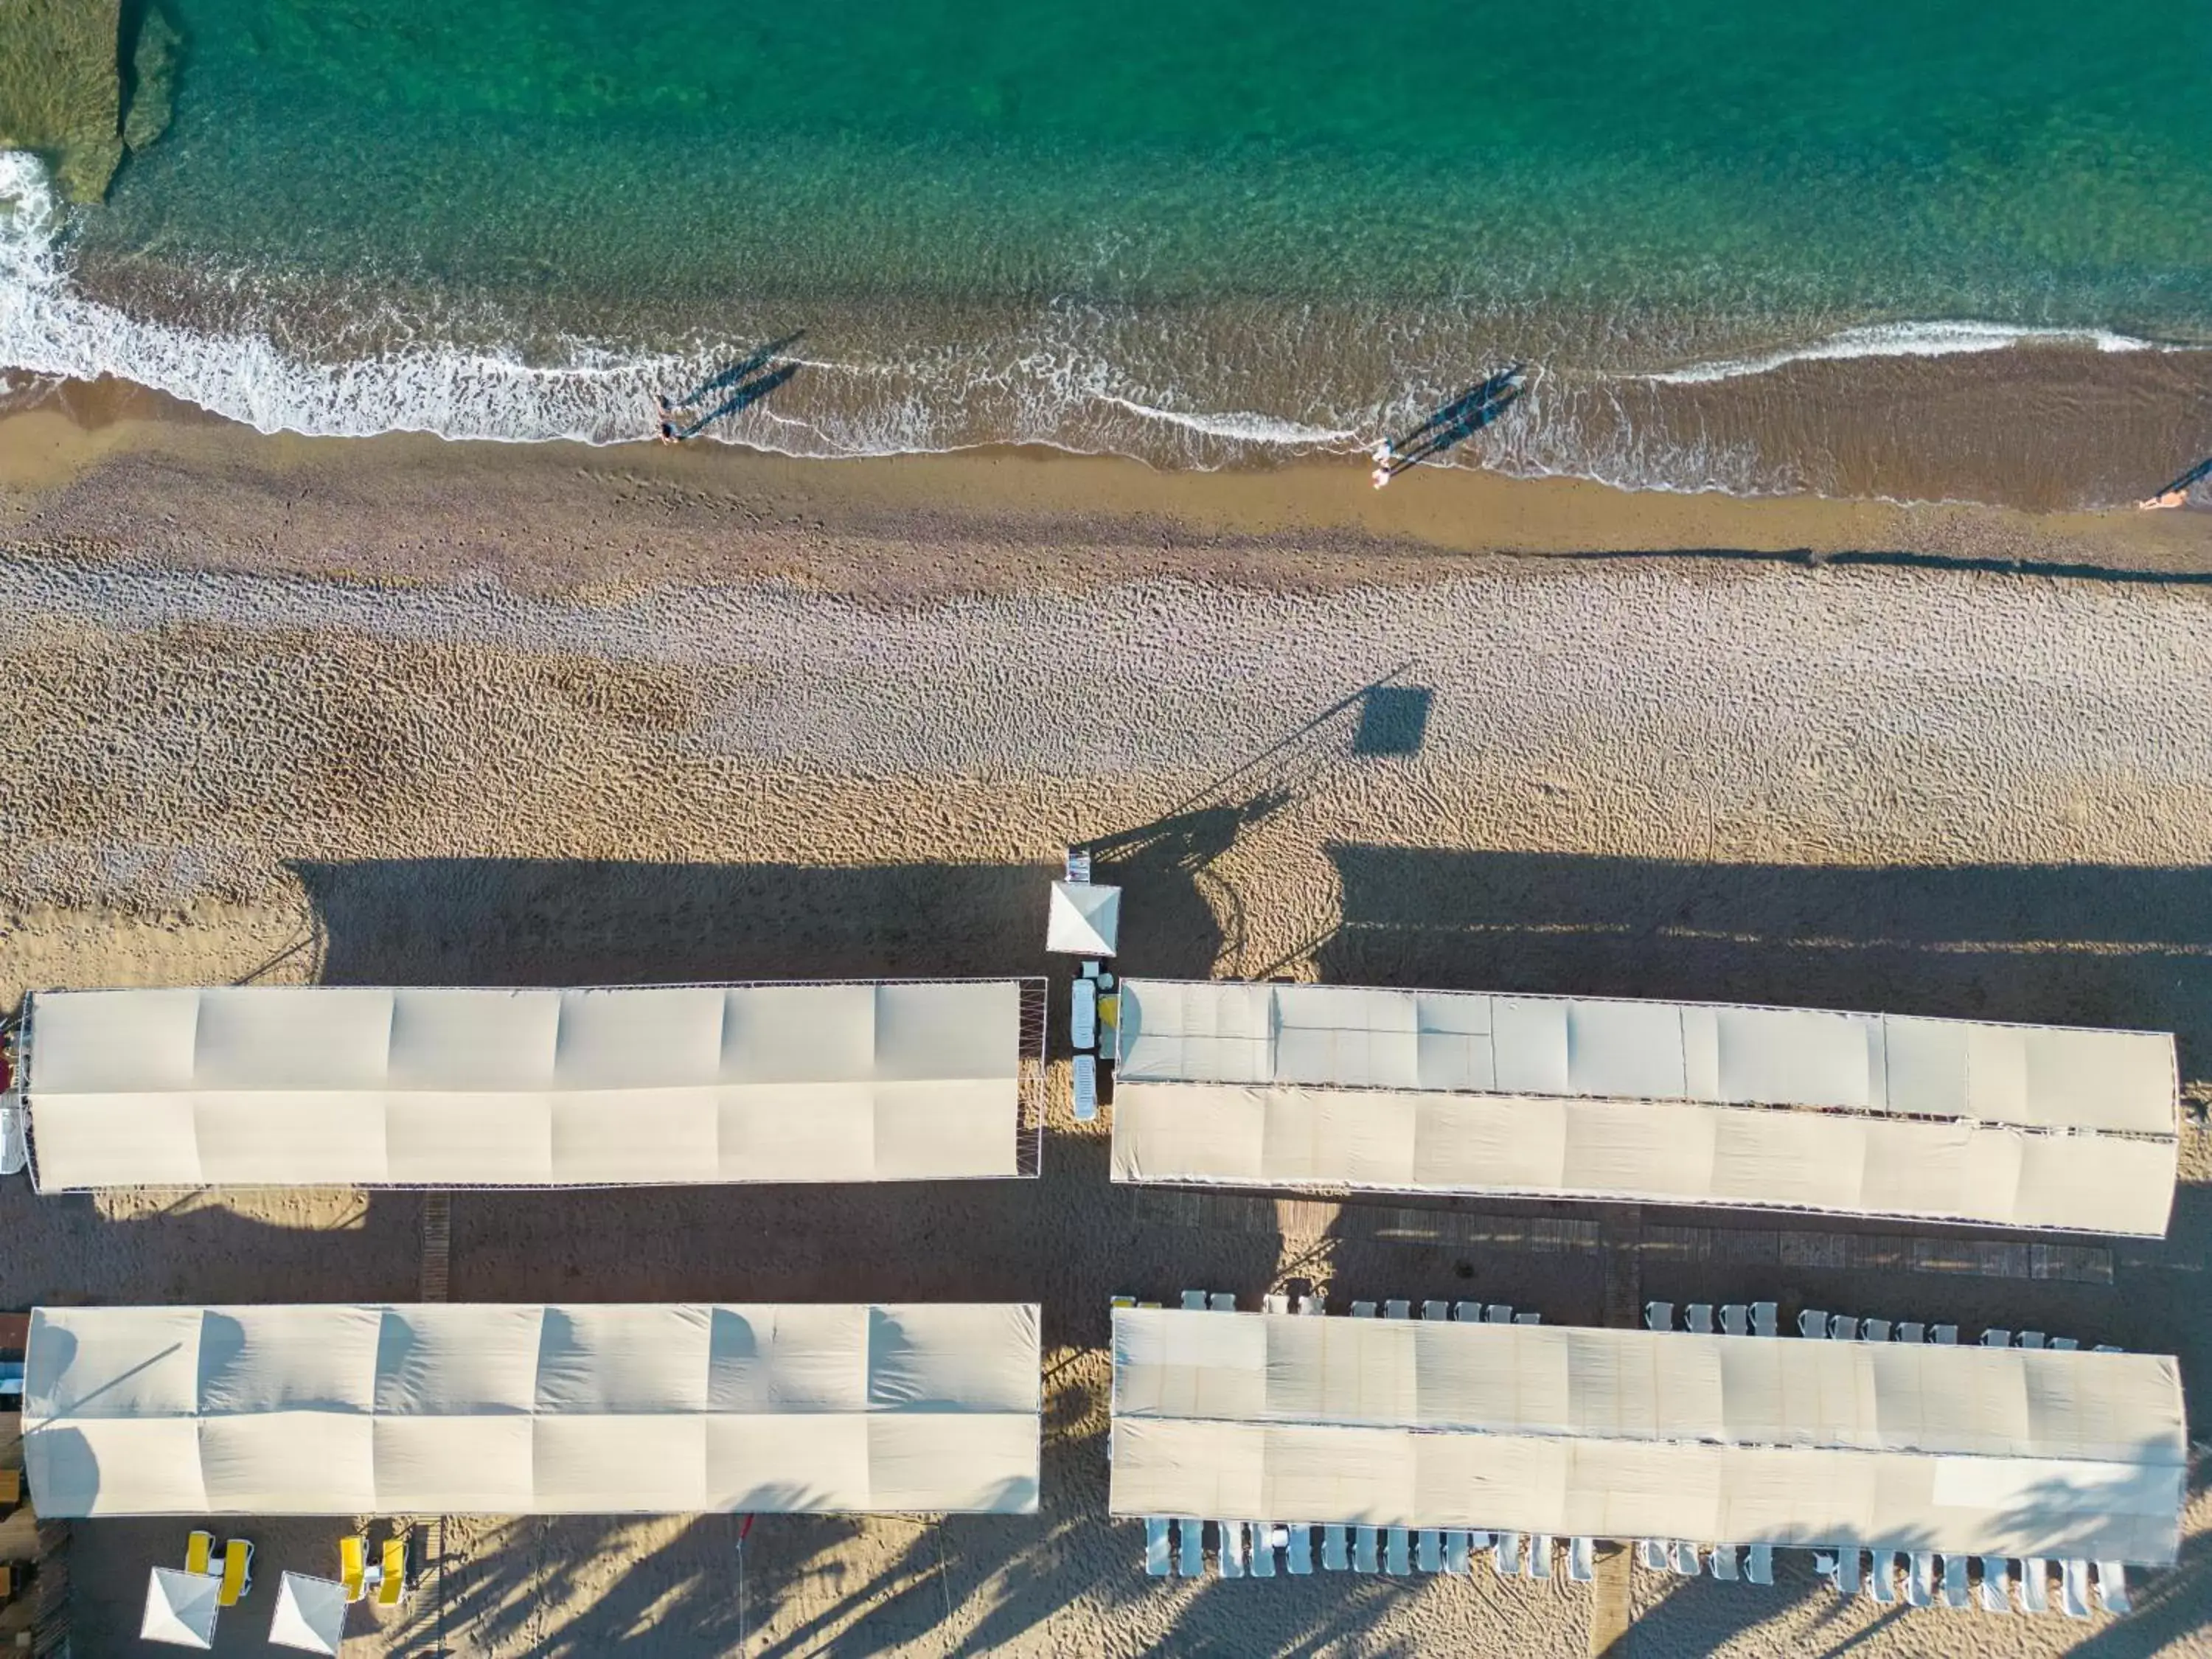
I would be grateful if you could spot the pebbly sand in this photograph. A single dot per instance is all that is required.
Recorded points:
(397, 711)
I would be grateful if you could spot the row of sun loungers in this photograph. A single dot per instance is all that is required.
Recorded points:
(1922, 1579)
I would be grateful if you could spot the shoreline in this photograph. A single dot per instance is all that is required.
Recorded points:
(111, 469)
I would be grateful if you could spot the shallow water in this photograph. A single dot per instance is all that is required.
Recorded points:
(1736, 241)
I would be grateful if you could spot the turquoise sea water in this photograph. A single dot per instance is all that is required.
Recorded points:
(1196, 231)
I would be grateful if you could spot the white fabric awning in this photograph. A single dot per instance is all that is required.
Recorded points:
(1628, 1434)
(514, 1410)
(2041, 1127)
(1084, 918)
(311, 1614)
(181, 1608)
(292, 1085)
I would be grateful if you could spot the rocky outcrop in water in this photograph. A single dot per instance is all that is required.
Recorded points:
(65, 93)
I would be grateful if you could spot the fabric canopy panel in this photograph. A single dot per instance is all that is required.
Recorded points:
(1287, 1085)
(291, 1085)
(1629, 1434)
(462, 1408)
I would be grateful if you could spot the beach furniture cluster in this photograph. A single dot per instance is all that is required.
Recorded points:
(1398, 1437)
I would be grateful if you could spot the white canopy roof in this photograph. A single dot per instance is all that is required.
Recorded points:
(1626, 1434)
(1298, 1085)
(463, 1408)
(181, 1608)
(311, 1614)
(1085, 919)
(300, 1085)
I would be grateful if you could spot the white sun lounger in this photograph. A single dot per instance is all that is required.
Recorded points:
(1996, 1338)
(1682, 1558)
(1874, 1330)
(1843, 1328)
(2031, 1339)
(1527, 1319)
(1881, 1580)
(1956, 1589)
(1191, 1534)
(1336, 1549)
(1498, 1313)
(1758, 1564)
(1944, 1336)
(1652, 1554)
(1083, 1014)
(1397, 1553)
(1505, 1554)
(1812, 1322)
(1157, 1548)
(1263, 1550)
(1698, 1317)
(1468, 1313)
(1582, 1559)
(1314, 1306)
(2074, 1589)
(1222, 1302)
(1996, 1585)
(1722, 1563)
(1298, 1558)
(1765, 1319)
(1436, 1310)
(1085, 1075)
(2112, 1585)
(2035, 1583)
(1912, 1331)
(1540, 1555)
(1920, 1584)
(2106, 1347)
(1843, 1571)
(1658, 1316)
(1397, 1310)
(1276, 1302)
(1366, 1550)
(1735, 1320)
(1363, 1311)
(1459, 1551)
(1232, 1548)
(2065, 1345)
(1194, 1301)
(1429, 1550)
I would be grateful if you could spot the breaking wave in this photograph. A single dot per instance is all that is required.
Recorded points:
(1929, 339)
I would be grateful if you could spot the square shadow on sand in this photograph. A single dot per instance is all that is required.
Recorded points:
(1393, 720)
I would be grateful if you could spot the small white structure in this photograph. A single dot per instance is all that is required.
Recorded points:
(181, 1608)
(1086, 918)
(311, 1614)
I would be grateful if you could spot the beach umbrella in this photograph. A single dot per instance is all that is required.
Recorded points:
(181, 1608)
(310, 1613)
(1086, 919)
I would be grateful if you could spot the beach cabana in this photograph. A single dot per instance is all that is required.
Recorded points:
(311, 1614)
(1548, 1429)
(304, 1085)
(1084, 918)
(595, 1409)
(1331, 1087)
(181, 1608)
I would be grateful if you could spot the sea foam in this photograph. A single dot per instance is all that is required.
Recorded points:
(1910, 339)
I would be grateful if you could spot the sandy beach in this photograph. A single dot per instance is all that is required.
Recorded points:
(402, 711)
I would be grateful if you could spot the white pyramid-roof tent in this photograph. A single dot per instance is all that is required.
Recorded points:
(1086, 918)
(181, 1608)
(311, 1614)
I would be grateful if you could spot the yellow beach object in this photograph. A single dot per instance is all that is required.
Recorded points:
(199, 1550)
(353, 1565)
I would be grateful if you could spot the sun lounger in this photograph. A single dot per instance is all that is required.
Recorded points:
(2112, 1585)
(1232, 1548)
(1468, 1313)
(1505, 1554)
(1397, 1310)
(1157, 1549)
(1459, 1551)
(1194, 1301)
(1190, 1534)
(1698, 1317)
(1335, 1549)
(1912, 1331)
(1083, 1015)
(1527, 1319)
(1315, 1305)
(1843, 1328)
(1812, 1322)
(1881, 1579)
(1844, 1572)
(1956, 1589)
(1366, 1551)
(1920, 1584)
(1298, 1557)
(1436, 1310)
(237, 1572)
(199, 1552)
(1765, 1319)
(1079, 863)
(1758, 1564)
(2074, 1589)
(2035, 1583)
(353, 1565)
(1498, 1313)
(2106, 1347)
(1652, 1554)
(1261, 1562)
(1682, 1558)
(1429, 1550)
(1944, 1336)
(1274, 1301)
(1363, 1311)
(392, 1586)
(1397, 1552)
(1085, 1074)
(1222, 1302)
(1735, 1320)
(1996, 1585)
(1540, 1555)
(1874, 1330)
(1722, 1563)
(1658, 1316)
(2031, 1339)
(1996, 1338)
(2065, 1345)
(1582, 1559)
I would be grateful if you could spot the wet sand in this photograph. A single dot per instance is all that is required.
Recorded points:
(403, 712)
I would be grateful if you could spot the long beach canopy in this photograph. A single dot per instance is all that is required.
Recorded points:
(1878, 1114)
(1642, 1434)
(460, 1408)
(298, 1085)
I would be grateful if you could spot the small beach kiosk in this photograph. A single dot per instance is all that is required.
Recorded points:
(595, 1409)
(447, 1087)
(1338, 1087)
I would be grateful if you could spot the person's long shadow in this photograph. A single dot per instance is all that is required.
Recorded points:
(728, 391)
(1455, 421)
(733, 374)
